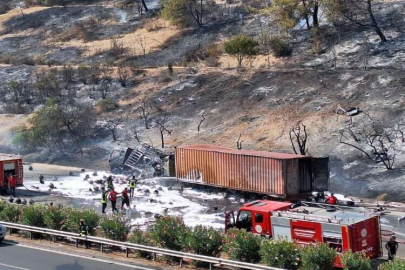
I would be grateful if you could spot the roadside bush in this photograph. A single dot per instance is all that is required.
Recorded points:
(354, 261)
(242, 245)
(396, 264)
(241, 47)
(3, 205)
(54, 217)
(170, 232)
(115, 228)
(281, 254)
(280, 46)
(141, 238)
(90, 217)
(11, 213)
(318, 257)
(33, 215)
(205, 241)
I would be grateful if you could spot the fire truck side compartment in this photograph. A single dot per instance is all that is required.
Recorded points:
(276, 174)
(10, 164)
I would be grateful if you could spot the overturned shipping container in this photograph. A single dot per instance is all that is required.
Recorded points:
(274, 174)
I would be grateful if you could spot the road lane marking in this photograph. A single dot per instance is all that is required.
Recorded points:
(79, 256)
(12, 266)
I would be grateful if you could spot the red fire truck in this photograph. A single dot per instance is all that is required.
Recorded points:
(342, 228)
(10, 164)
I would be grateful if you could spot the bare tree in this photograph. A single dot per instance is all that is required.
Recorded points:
(196, 11)
(113, 124)
(123, 75)
(104, 88)
(117, 46)
(162, 122)
(201, 121)
(145, 110)
(142, 43)
(239, 142)
(135, 132)
(359, 12)
(375, 142)
(299, 136)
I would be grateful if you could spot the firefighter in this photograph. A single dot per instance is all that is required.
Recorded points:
(125, 198)
(392, 247)
(132, 185)
(110, 184)
(113, 199)
(11, 184)
(332, 199)
(104, 195)
(84, 230)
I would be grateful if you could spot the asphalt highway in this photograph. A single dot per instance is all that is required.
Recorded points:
(14, 256)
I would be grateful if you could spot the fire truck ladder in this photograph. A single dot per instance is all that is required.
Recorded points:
(134, 158)
(20, 169)
(309, 217)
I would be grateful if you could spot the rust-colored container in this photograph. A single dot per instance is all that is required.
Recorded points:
(273, 174)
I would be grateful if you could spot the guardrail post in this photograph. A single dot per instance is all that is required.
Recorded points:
(154, 256)
(9, 231)
(210, 266)
(127, 252)
(54, 238)
(181, 262)
(31, 235)
(77, 243)
(102, 248)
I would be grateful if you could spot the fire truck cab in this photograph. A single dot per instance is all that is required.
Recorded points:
(342, 228)
(10, 164)
(255, 216)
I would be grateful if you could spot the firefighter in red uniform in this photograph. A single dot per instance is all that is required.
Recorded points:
(11, 184)
(332, 199)
(125, 198)
(113, 199)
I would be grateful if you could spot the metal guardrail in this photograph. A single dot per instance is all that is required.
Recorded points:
(130, 246)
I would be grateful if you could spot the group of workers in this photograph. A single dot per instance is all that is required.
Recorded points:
(320, 196)
(111, 195)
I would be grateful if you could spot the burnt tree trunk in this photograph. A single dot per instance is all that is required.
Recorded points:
(374, 22)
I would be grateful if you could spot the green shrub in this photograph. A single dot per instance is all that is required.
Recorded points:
(396, 264)
(90, 217)
(141, 238)
(318, 257)
(176, 12)
(115, 228)
(242, 245)
(170, 232)
(241, 47)
(354, 261)
(54, 217)
(11, 213)
(281, 254)
(3, 205)
(280, 46)
(205, 241)
(33, 215)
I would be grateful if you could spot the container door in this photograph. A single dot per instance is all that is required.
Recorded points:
(305, 175)
(320, 173)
